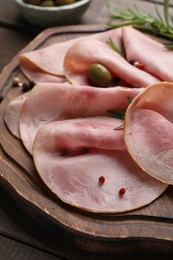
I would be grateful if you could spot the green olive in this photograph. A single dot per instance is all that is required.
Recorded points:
(32, 2)
(99, 75)
(64, 2)
(47, 3)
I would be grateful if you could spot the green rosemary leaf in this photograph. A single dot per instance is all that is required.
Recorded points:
(166, 11)
(120, 50)
(140, 20)
(113, 46)
(129, 100)
(117, 114)
(158, 14)
(127, 23)
(123, 52)
(119, 127)
(169, 46)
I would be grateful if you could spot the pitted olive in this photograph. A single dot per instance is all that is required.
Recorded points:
(47, 3)
(32, 2)
(64, 2)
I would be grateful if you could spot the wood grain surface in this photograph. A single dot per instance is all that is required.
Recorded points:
(148, 228)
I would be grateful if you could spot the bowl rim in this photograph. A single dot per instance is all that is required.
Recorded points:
(53, 8)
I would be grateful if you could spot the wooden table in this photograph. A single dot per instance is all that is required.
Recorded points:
(20, 236)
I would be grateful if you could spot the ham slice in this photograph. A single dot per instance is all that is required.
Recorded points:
(51, 102)
(49, 60)
(154, 57)
(81, 153)
(12, 114)
(83, 162)
(149, 131)
(39, 76)
(46, 64)
(85, 52)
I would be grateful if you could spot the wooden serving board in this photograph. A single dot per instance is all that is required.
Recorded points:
(148, 228)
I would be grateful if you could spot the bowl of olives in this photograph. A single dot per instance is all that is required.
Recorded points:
(49, 13)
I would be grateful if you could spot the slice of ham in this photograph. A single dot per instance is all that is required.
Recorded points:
(154, 57)
(71, 156)
(149, 131)
(46, 64)
(99, 132)
(38, 76)
(114, 34)
(85, 52)
(49, 60)
(51, 102)
(12, 114)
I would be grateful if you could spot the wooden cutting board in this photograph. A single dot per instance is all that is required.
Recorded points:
(148, 228)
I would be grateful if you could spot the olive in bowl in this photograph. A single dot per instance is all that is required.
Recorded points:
(32, 2)
(64, 2)
(47, 3)
(48, 16)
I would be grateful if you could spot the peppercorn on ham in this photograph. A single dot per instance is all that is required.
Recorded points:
(88, 168)
(151, 54)
(49, 102)
(149, 119)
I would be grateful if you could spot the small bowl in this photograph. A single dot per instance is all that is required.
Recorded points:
(53, 16)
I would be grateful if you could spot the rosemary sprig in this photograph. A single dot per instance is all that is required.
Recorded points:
(113, 45)
(117, 114)
(120, 50)
(140, 20)
(166, 12)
